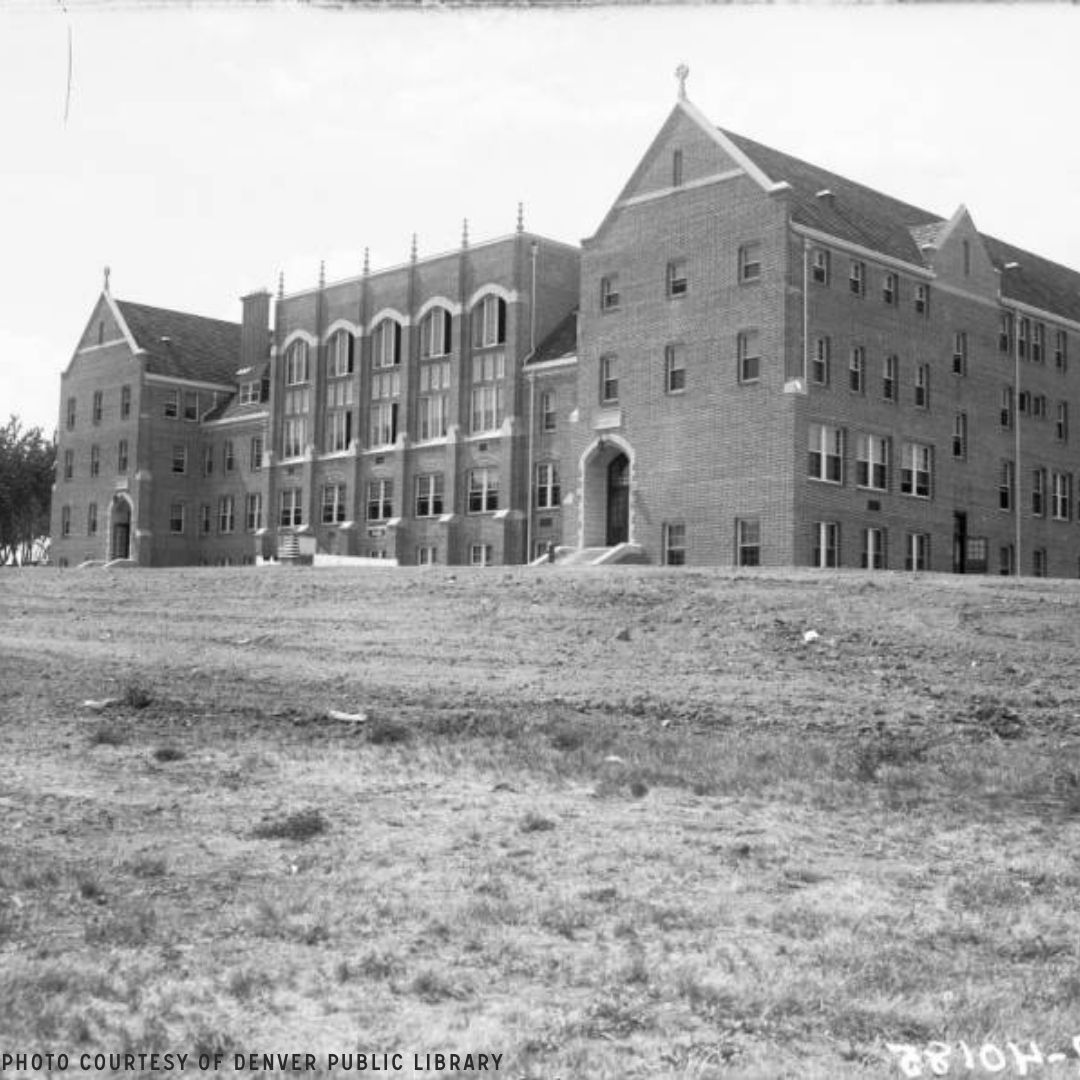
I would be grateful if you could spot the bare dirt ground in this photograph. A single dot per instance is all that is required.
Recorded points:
(608, 824)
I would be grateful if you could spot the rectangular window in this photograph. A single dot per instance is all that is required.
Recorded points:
(960, 352)
(436, 377)
(922, 386)
(434, 413)
(384, 423)
(857, 277)
(674, 369)
(548, 415)
(427, 555)
(748, 542)
(480, 555)
(750, 262)
(226, 514)
(125, 402)
(256, 453)
(250, 392)
(1005, 333)
(339, 393)
(1038, 406)
(95, 460)
(69, 464)
(857, 370)
(674, 543)
(1006, 482)
(873, 549)
(922, 299)
(890, 375)
(547, 486)
(91, 519)
(748, 355)
(179, 459)
(1006, 412)
(826, 544)
(191, 405)
(292, 507)
(122, 456)
(826, 444)
(486, 408)
(888, 289)
(65, 521)
(294, 436)
(819, 266)
(820, 361)
(1039, 562)
(333, 504)
(1038, 343)
(609, 380)
(1023, 335)
(229, 455)
(1061, 494)
(380, 500)
(205, 518)
(253, 511)
(208, 461)
(429, 495)
(483, 490)
(1061, 350)
(171, 404)
(1061, 425)
(1006, 561)
(1038, 492)
(917, 553)
(916, 470)
(99, 396)
(677, 284)
(960, 436)
(338, 430)
(872, 462)
(609, 292)
(176, 517)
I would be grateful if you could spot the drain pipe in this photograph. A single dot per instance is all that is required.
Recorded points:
(534, 251)
(806, 315)
(1016, 432)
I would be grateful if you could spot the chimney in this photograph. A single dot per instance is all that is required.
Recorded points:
(255, 328)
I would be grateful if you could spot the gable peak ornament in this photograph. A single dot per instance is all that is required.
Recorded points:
(682, 73)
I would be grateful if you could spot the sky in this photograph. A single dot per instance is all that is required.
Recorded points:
(208, 148)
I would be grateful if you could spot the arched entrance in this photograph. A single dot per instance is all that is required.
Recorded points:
(607, 516)
(120, 528)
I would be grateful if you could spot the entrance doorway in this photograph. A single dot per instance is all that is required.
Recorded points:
(120, 547)
(618, 501)
(960, 543)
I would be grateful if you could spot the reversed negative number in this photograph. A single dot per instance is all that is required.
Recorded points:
(939, 1058)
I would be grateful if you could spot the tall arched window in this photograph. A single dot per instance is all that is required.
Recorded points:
(339, 354)
(296, 363)
(386, 344)
(435, 333)
(489, 322)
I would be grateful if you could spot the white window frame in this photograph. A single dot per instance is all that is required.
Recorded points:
(917, 470)
(872, 462)
(430, 496)
(482, 490)
(548, 492)
(748, 356)
(826, 553)
(826, 447)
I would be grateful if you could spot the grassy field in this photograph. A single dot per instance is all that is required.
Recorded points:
(607, 825)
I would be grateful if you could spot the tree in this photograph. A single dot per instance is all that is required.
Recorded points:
(27, 461)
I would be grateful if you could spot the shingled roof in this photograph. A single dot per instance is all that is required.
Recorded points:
(561, 342)
(863, 216)
(184, 346)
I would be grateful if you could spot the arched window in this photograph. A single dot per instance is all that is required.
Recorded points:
(489, 322)
(386, 344)
(435, 333)
(296, 363)
(339, 354)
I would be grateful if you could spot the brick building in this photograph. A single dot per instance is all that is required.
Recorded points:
(753, 361)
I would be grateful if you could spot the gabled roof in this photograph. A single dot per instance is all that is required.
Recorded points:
(184, 346)
(856, 213)
(560, 343)
(863, 216)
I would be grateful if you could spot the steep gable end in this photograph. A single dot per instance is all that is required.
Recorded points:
(103, 327)
(958, 255)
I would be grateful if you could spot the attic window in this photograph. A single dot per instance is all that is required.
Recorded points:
(676, 169)
(967, 258)
(101, 331)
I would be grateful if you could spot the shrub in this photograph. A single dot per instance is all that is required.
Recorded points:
(301, 825)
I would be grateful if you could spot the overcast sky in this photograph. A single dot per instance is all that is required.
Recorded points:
(208, 148)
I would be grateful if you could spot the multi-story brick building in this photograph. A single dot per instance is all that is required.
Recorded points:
(763, 363)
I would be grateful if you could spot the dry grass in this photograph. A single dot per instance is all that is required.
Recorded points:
(710, 849)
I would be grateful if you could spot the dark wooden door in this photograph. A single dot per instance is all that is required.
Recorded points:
(618, 501)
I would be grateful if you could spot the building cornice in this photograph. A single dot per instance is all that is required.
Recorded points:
(1038, 313)
(864, 252)
(222, 420)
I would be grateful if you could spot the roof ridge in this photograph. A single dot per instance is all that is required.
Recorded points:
(174, 311)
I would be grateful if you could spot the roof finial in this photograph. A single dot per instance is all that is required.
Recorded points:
(322, 273)
(281, 285)
(682, 73)
(465, 232)
(367, 261)
(412, 254)
(106, 285)
(521, 217)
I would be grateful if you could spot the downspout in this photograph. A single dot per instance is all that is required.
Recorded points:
(534, 251)
(806, 314)
(1016, 431)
